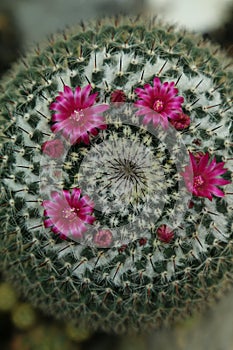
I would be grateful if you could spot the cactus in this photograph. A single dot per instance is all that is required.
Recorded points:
(116, 175)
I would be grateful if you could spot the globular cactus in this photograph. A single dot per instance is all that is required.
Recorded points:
(116, 160)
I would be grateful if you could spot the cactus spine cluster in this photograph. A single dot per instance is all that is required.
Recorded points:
(171, 252)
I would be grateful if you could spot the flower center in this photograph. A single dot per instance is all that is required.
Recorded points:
(69, 213)
(198, 181)
(77, 115)
(158, 105)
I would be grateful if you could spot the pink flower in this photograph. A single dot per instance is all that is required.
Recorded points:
(180, 121)
(76, 115)
(200, 176)
(103, 238)
(53, 148)
(165, 233)
(67, 213)
(159, 102)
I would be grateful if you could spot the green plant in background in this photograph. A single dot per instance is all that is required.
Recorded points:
(42, 337)
(116, 183)
(31, 329)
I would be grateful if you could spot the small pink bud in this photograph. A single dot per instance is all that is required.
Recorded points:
(54, 148)
(165, 234)
(117, 96)
(122, 248)
(142, 241)
(190, 204)
(180, 121)
(103, 238)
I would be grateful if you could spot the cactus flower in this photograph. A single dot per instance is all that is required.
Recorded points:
(201, 176)
(77, 115)
(67, 213)
(158, 103)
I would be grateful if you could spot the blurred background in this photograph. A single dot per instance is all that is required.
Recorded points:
(22, 24)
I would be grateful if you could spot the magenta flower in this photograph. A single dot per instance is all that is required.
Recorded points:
(159, 102)
(53, 148)
(103, 238)
(67, 213)
(201, 176)
(165, 234)
(76, 115)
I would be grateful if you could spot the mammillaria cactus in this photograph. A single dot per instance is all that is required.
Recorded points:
(116, 160)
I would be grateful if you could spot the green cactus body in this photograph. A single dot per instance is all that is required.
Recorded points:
(170, 252)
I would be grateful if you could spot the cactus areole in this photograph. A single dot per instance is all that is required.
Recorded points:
(116, 175)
